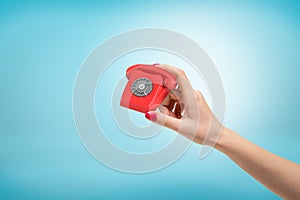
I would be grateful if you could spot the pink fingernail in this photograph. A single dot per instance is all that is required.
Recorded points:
(156, 64)
(151, 116)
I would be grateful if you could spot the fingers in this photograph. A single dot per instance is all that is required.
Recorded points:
(199, 95)
(173, 70)
(171, 105)
(173, 95)
(173, 109)
(178, 111)
(163, 110)
(164, 120)
(182, 80)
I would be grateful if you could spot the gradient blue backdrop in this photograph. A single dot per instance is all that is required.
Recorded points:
(255, 46)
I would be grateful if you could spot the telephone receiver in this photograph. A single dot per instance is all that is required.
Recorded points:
(147, 87)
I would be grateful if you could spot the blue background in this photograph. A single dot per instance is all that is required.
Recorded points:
(255, 46)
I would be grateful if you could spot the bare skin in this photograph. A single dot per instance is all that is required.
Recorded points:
(278, 174)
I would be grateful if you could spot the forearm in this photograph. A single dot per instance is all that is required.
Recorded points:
(278, 174)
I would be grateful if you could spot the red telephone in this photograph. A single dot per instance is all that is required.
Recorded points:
(147, 87)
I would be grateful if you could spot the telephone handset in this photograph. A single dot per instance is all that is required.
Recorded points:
(147, 87)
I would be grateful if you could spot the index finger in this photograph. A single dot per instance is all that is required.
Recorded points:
(182, 80)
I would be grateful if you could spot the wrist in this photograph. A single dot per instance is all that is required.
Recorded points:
(225, 140)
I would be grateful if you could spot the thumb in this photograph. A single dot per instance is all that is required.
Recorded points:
(164, 120)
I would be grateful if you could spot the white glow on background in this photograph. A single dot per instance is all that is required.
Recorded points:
(105, 90)
(254, 44)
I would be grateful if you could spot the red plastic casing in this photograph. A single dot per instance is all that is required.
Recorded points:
(162, 83)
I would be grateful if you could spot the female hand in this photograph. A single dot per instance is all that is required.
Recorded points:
(186, 111)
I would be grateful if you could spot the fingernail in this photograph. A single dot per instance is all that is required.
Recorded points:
(156, 64)
(151, 116)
